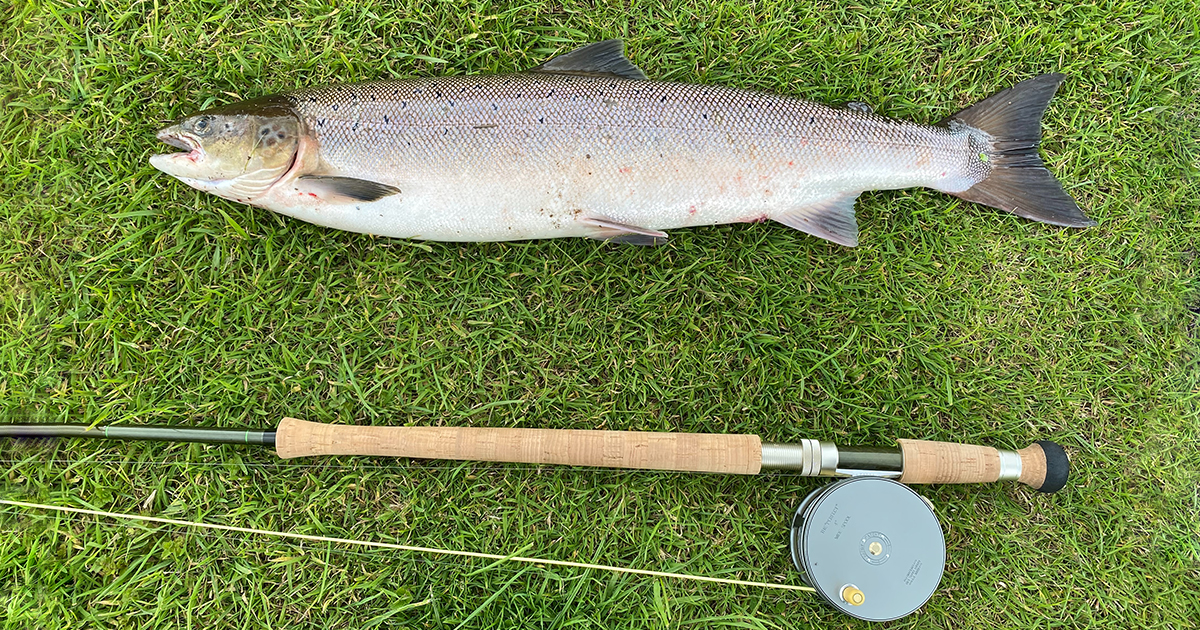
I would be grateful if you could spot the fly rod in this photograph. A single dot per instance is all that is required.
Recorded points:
(1042, 465)
(868, 544)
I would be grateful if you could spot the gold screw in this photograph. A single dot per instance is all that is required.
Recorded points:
(875, 548)
(851, 595)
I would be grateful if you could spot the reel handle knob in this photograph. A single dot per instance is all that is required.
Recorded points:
(1042, 465)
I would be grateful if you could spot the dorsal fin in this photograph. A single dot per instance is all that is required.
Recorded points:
(605, 59)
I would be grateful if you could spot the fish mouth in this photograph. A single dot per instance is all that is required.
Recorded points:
(180, 140)
(185, 163)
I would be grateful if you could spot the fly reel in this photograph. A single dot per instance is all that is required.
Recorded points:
(870, 546)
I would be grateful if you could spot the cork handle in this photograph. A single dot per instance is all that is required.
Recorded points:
(693, 452)
(1043, 465)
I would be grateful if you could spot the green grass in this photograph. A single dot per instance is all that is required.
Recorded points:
(128, 297)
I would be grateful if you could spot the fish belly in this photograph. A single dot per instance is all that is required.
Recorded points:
(540, 156)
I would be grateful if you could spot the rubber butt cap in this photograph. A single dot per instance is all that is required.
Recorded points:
(1058, 467)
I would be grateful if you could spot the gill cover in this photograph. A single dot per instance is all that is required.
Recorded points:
(234, 151)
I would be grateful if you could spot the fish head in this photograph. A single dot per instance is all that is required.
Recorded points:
(235, 151)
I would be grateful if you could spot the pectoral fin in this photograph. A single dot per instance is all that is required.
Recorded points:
(831, 219)
(343, 189)
(617, 232)
(605, 59)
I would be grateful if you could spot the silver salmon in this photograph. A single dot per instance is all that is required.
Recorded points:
(583, 145)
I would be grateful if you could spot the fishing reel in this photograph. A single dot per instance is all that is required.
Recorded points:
(871, 547)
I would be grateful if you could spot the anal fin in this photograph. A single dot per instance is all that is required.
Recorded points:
(343, 189)
(831, 219)
(617, 232)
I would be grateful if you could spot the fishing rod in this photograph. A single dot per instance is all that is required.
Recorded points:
(868, 544)
(1043, 465)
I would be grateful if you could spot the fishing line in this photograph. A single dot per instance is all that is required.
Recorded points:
(399, 547)
(399, 467)
(418, 561)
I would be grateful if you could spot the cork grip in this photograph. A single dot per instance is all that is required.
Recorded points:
(1044, 464)
(692, 452)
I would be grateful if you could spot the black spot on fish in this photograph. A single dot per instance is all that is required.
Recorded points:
(550, 94)
(321, 122)
(385, 118)
(451, 103)
(811, 120)
(494, 108)
(663, 99)
(395, 92)
(542, 121)
(403, 104)
(281, 135)
(334, 106)
(445, 131)
(705, 116)
(437, 93)
(588, 156)
(354, 127)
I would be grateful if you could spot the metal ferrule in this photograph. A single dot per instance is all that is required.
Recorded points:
(811, 458)
(830, 458)
(1010, 465)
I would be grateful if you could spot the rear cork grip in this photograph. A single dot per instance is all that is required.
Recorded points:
(690, 452)
(1043, 465)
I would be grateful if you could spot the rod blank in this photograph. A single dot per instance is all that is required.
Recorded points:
(208, 435)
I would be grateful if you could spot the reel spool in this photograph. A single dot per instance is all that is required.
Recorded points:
(870, 546)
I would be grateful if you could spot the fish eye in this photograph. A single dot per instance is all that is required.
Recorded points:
(202, 125)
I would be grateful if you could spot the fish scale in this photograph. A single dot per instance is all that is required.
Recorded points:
(584, 146)
(502, 158)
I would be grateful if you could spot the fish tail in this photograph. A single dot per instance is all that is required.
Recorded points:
(1007, 128)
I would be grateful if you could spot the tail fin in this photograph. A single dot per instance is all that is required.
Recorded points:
(1016, 179)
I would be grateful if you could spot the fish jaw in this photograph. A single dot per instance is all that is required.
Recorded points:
(178, 165)
(182, 165)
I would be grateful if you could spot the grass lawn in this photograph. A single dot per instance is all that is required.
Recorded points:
(128, 297)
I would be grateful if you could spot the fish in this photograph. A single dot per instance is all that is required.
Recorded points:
(584, 145)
